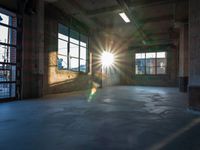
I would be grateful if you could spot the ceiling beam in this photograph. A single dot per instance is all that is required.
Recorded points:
(76, 5)
(157, 34)
(81, 13)
(116, 9)
(140, 22)
(102, 11)
(154, 43)
(157, 19)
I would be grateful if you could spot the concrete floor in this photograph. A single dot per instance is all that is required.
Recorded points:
(117, 118)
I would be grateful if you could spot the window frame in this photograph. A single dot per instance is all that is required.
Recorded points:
(155, 65)
(79, 50)
(9, 65)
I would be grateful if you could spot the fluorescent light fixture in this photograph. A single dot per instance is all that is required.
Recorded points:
(124, 17)
(144, 42)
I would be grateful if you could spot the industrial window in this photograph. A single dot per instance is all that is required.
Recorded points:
(72, 50)
(151, 63)
(8, 39)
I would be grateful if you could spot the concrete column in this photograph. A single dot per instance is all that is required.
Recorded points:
(183, 57)
(194, 54)
(33, 51)
(39, 48)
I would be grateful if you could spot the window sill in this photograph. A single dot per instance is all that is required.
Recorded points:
(152, 75)
(70, 71)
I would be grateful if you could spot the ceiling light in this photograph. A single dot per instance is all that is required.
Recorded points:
(144, 42)
(124, 17)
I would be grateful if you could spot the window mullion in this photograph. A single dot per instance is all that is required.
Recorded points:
(87, 57)
(156, 64)
(79, 51)
(145, 64)
(68, 49)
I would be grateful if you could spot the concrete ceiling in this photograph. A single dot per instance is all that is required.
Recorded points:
(151, 19)
(11, 4)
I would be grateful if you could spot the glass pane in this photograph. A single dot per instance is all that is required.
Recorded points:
(62, 47)
(7, 72)
(83, 44)
(74, 63)
(12, 54)
(140, 66)
(63, 30)
(7, 90)
(162, 62)
(4, 75)
(150, 55)
(161, 70)
(150, 70)
(139, 55)
(7, 54)
(84, 40)
(83, 65)
(4, 90)
(13, 73)
(74, 50)
(74, 37)
(8, 35)
(63, 37)
(150, 62)
(161, 54)
(139, 69)
(5, 19)
(62, 62)
(140, 62)
(12, 90)
(8, 20)
(83, 54)
(150, 59)
(75, 41)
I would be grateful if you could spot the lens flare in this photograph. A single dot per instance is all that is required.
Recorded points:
(92, 93)
(107, 59)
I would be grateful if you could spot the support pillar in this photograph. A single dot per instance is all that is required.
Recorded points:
(183, 57)
(194, 54)
(33, 50)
